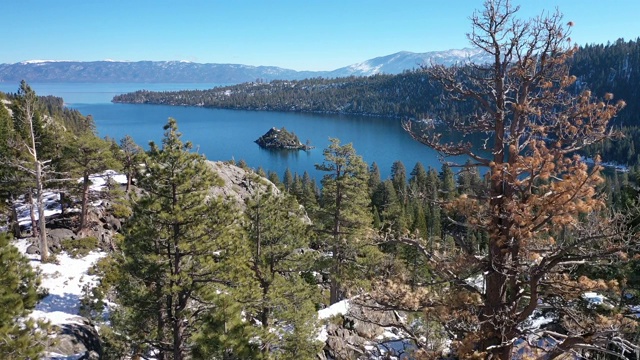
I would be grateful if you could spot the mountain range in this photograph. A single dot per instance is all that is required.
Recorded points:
(190, 72)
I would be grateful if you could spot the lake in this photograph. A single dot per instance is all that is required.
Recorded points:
(230, 134)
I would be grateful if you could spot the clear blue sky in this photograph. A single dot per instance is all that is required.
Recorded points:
(294, 34)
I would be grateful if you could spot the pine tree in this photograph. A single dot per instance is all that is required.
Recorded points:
(179, 245)
(389, 207)
(11, 181)
(287, 180)
(418, 182)
(343, 217)
(542, 213)
(309, 193)
(32, 133)
(85, 156)
(448, 182)
(283, 303)
(275, 179)
(374, 176)
(20, 337)
(130, 155)
(399, 180)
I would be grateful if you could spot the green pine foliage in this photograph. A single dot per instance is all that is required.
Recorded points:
(20, 336)
(181, 250)
(85, 156)
(281, 301)
(130, 155)
(343, 218)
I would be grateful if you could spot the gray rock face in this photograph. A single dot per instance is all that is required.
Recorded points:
(111, 223)
(33, 249)
(55, 236)
(239, 184)
(77, 338)
(358, 335)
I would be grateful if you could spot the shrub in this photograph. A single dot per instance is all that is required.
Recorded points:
(79, 247)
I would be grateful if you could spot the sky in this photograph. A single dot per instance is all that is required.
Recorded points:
(294, 34)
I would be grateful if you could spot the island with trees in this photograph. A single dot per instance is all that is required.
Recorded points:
(281, 139)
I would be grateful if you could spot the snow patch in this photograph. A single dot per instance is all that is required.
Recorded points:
(99, 181)
(64, 282)
(339, 308)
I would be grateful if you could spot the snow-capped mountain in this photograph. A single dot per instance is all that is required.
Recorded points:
(404, 60)
(189, 72)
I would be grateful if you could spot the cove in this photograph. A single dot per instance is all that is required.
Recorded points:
(230, 134)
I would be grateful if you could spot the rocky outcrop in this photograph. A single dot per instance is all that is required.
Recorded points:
(239, 184)
(364, 333)
(281, 139)
(55, 237)
(78, 339)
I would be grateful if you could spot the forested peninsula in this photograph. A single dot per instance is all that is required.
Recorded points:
(613, 68)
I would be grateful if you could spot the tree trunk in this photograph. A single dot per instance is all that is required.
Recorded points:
(128, 183)
(85, 202)
(265, 313)
(334, 284)
(63, 205)
(32, 214)
(44, 247)
(15, 225)
(178, 338)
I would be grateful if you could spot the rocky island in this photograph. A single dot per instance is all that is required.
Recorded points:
(281, 139)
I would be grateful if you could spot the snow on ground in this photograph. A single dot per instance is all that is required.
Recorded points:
(51, 207)
(64, 283)
(52, 198)
(99, 181)
(339, 308)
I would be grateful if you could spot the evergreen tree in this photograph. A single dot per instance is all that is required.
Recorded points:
(374, 176)
(32, 133)
(399, 180)
(283, 303)
(130, 155)
(389, 207)
(297, 187)
(343, 217)
(20, 337)
(11, 182)
(287, 180)
(448, 182)
(85, 156)
(275, 179)
(309, 193)
(418, 181)
(179, 245)
(542, 212)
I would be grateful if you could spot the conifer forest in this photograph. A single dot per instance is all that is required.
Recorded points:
(522, 250)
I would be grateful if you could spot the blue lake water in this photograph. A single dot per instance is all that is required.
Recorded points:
(230, 134)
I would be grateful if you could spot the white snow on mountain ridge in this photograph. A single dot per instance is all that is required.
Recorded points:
(405, 60)
(389, 64)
